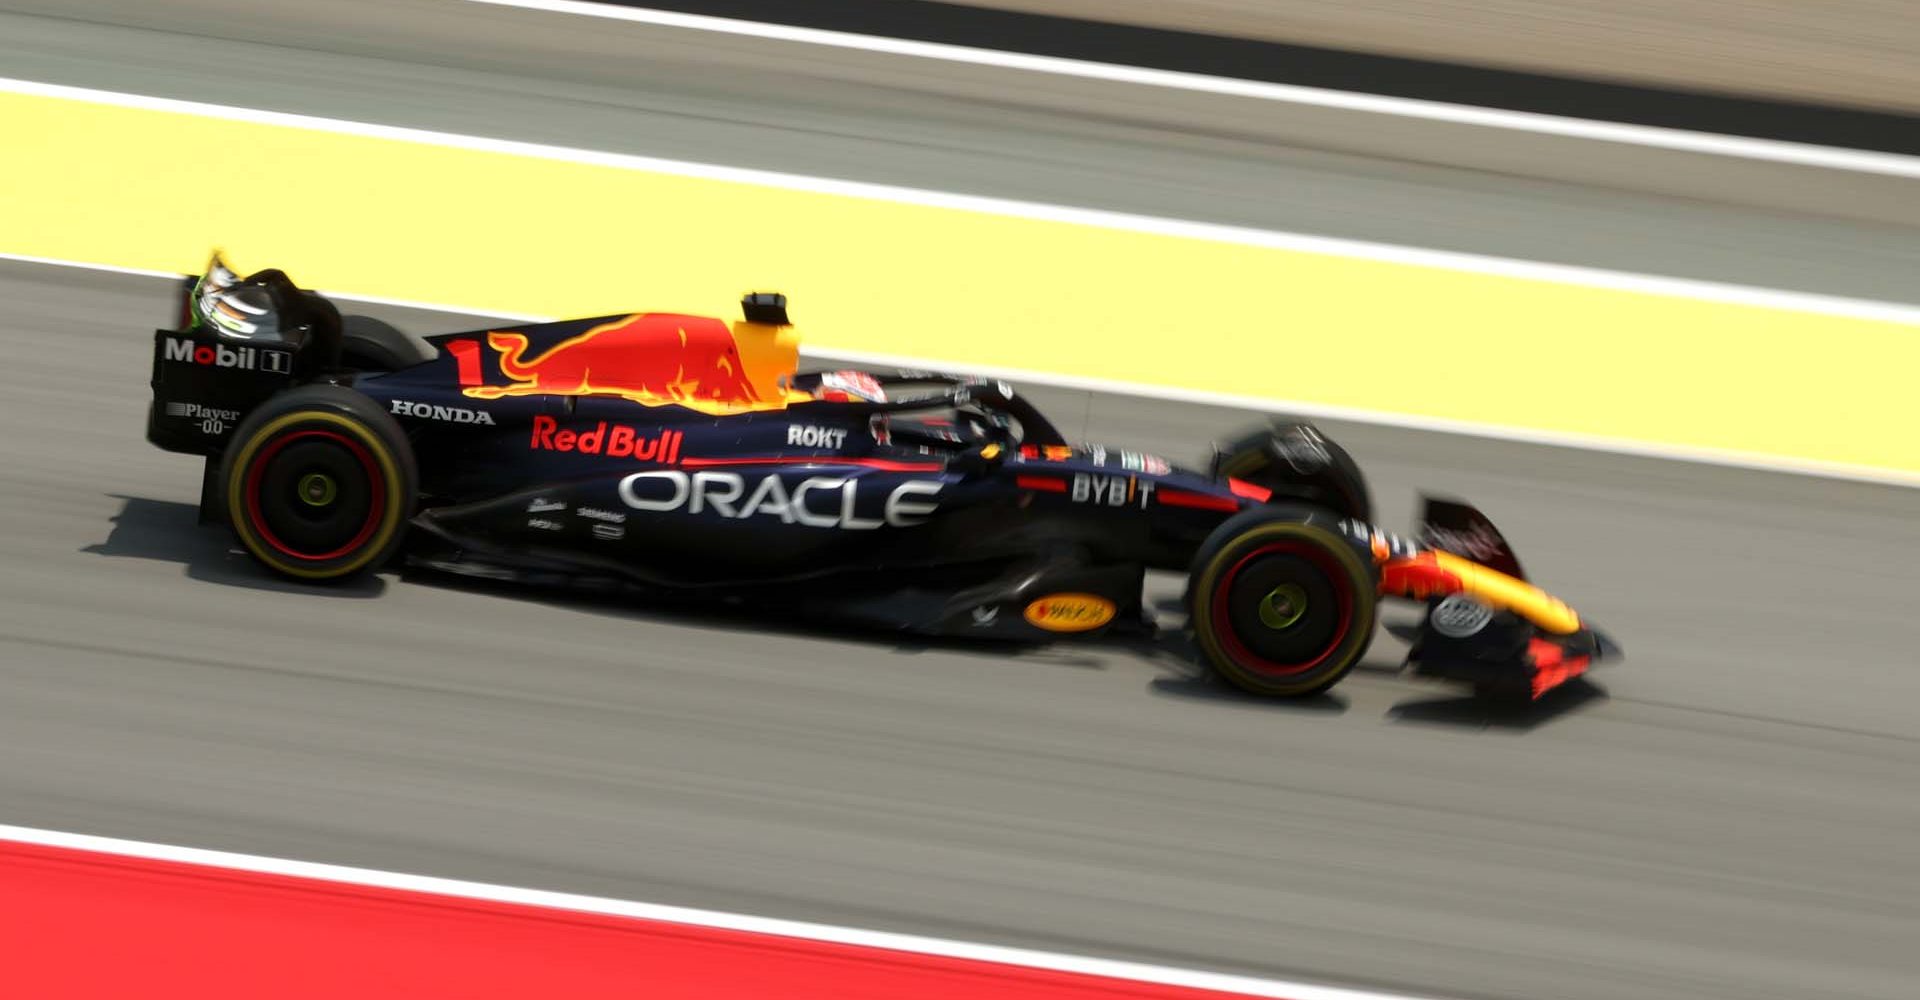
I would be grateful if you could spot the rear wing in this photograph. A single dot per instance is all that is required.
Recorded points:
(237, 342)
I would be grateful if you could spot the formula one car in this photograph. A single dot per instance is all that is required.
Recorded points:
(690, 454)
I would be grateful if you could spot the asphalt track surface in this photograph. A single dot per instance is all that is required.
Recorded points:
(1728, 813)
(1857, 52)
(1465, 52)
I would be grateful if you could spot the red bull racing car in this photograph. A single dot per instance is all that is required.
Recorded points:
(690, 454)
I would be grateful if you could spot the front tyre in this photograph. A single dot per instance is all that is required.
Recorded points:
(1281, 604)
(319, 483)
(1300, 464)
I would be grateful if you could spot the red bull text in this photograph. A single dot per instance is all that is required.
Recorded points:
(611, 440)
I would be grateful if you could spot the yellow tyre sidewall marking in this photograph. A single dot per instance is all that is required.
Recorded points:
(1208, 580)
(237, 501)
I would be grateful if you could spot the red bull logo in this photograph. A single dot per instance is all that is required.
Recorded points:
(651, 358)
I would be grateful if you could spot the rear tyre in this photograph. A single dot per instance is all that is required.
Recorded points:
(1280, 603)
(371, 345)
(319, 483)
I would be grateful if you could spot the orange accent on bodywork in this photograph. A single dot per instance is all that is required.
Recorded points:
(771, 355)
(1196, 501)
(466, 360)
(657, 359)
(1242, 488)
(1433, 573)
(1070, 612)
(1044, 483)
(1031, 452)
(1417, 577)
(886, 464)
(1552, 667)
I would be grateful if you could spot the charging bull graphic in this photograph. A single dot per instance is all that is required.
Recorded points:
(650, 358)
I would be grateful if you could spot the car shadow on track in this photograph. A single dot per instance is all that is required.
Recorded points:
(1185, 677)
(1472, 712)
(1206, 687)
(169, 532)
(721, 616)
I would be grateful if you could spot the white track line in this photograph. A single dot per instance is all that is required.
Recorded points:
(1126, 222)
(914, 944)
(1497, 432)
(1771, 150)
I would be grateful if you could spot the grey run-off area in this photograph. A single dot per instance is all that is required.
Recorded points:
(1850, 52)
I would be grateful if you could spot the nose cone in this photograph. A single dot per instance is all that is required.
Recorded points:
(1605, 648)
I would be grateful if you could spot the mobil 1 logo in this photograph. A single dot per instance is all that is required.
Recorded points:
(218, 355)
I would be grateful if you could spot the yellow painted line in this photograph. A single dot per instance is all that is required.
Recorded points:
(491, 230)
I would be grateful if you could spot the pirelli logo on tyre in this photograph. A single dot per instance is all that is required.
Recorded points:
(1070, 612)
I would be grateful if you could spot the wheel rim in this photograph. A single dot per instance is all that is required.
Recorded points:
(1284, 608)
(315, 495)
(317, 489)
